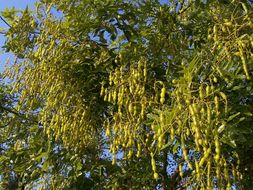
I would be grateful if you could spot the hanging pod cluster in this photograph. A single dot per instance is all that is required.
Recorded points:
(132, 92)
(47, 86)
(201, 109)
(232, 38)
(125, 89)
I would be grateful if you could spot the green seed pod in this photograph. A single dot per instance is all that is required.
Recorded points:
(215, 79)
(207, 90)
(153, 164)
(162, 95)
(156, 176)
(216, 102)
(201, 95)
(180, 171)
(130, 108)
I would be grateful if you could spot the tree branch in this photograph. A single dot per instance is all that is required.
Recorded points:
(18, 114)
(5, 21)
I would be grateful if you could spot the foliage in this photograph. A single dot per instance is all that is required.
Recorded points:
(167, 87)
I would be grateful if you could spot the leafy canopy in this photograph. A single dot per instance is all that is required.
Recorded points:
(147, 79)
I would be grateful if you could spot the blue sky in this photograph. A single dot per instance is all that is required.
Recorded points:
(18, 4)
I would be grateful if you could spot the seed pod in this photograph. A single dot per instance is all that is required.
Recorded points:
(107, 133)
(228, 23)
(142, 110)
(162, 119)
(160, 139)
(218, 172)
(113, 160)
(172, 133)
(129, 155)
(188, 132)
(185, 154)
(208, 173)
(203, 159)
(244, 65)
(244, 8)
(191, 110)
(201, 92)
(217, 158)
(195, 108)
(106, 94)
(227, 53)
(208, 115)
(223, 28)
(156, 176)
(135, 110)
(180, 171)
(110, 79)
(153, 164)
(145, 72)
(109, 97)
(130, 108)
(215, 29)
(197, 170)
(216, 102)
(207, 90)
(215, 79)
(138, 154)
(162, 95)
(102, 90)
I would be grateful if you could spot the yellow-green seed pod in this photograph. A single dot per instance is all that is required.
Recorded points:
(153, 164)
(114, 96)
(203, 159)
(191, 110)
(207, 90)
(142, 110)
(102, 90)
(135, 110)
(185, 154)
(209, 165)
(208, 115)
(195, 108)
(188, 132)
(129, 155)
(156, 176)
(113, 160)
(130, 108)
(109, 97)
(162, 119)
(228, 23)
(244, 65)
(107, 133)
(215, 79)
(172, 133)
(223, 28)
(217, 158)
(162, 95)
(197, 170)
(201, 95)
(180, 171)
(216, 102)
(110, 78)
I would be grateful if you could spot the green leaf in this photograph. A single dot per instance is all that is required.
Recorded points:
(175, 147)
(3, 158)
(231, 117)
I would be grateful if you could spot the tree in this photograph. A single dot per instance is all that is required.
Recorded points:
(167, 87)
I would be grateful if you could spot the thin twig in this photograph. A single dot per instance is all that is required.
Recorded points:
(18, 114)
(5, 21)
